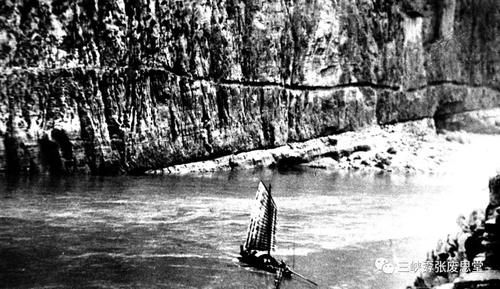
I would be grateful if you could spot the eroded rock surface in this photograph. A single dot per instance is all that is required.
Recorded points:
(124, 86)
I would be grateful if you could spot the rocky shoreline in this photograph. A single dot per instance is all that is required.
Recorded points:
(470, 257)
(404, 148)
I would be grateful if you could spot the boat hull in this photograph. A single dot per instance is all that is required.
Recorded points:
(266, 263)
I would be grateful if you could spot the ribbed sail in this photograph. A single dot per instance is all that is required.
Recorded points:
(262, 229)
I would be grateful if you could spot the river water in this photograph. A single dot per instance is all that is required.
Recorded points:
(183, 232)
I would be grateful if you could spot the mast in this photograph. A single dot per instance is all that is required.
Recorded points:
(270, 228)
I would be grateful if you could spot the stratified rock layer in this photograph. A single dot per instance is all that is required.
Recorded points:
(115, 86)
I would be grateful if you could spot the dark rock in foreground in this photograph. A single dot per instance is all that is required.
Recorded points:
(479, 242)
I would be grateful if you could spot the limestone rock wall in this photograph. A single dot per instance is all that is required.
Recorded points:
(113, 86)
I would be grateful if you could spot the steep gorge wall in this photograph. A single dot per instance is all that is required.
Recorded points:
(110, 86)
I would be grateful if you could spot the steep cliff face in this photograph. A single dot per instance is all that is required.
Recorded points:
(109, 86)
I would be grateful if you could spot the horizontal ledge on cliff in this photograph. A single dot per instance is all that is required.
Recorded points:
(438, 83)
(247, 83)
(308, 87)
(449, 114)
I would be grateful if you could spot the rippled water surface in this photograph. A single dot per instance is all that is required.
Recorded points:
(183, 232)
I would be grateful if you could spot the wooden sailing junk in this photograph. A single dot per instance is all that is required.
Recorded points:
(261, 233)
(261, 237)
